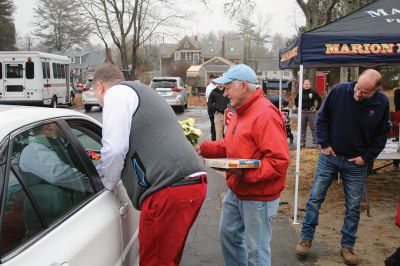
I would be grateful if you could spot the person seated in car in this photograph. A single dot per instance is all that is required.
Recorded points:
(54, 164)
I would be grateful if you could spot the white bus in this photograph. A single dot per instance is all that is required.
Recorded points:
(34, 78)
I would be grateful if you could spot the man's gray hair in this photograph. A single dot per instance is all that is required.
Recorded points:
(252, 86)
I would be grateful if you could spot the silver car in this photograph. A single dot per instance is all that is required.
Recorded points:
(64, 216)
(89, 100)
(172, 89)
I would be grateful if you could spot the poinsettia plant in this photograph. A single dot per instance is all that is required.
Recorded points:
(192, 134)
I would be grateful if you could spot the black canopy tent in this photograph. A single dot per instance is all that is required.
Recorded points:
(369, 36)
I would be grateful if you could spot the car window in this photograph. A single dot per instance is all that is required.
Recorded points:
(89, 135)
(17, 208)
(163, 83)
(88, 84)
(46, 182)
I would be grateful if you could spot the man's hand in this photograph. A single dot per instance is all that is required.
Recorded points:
(328, 151)
(198, 150)
(358, 160)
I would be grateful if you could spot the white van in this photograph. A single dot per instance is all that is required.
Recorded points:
(34, 78)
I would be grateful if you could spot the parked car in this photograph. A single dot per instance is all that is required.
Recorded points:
(172, 89)
(74, 222)
(89, 100)
(88, 85)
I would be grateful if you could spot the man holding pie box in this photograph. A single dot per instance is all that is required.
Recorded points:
(256, 132)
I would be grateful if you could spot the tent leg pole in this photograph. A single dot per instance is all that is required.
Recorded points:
(280, 90)
(300, 107)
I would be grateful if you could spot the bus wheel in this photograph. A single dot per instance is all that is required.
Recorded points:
(54, 102)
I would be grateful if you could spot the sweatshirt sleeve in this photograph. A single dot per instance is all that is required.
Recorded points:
(379, 140)
(323, 121)
(213, 149)
(272, 142)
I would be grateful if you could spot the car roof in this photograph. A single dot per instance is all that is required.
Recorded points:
(13, 117)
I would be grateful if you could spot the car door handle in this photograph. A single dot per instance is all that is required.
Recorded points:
(124, 208)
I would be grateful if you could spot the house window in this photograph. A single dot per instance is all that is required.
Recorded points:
(186, 45)
(72, 59)
(232, 49)
(209, 43)
(177, 56)
(211, 50)
(196, 56)
(188, 56)
(286, 73)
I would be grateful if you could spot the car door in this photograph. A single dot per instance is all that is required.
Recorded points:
(89, 136)
(54, 212)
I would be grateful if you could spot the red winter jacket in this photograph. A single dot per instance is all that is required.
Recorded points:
(256, 131)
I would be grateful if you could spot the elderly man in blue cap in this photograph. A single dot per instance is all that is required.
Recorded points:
(256, 131)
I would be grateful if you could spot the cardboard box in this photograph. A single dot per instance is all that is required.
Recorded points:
(227, 163)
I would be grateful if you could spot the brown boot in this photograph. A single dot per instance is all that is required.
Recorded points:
(349, 257)
(303, 247)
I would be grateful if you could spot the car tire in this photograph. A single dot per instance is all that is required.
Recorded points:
(88, 108)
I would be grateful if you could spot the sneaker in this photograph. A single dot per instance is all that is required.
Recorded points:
(303, 247)
(349, 257)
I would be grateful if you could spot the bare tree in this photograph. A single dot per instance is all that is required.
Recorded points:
(125, 21)
(317, 12)
(60, 25)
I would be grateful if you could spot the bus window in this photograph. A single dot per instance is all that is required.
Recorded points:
(48, 70)
(44, 70)
(58, 71)
(30, 70)
(14, 71)
(62, 71)
(54, 71)
(1, 70)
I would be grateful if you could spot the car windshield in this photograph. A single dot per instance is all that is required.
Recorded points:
(88, 84)
(163, 83)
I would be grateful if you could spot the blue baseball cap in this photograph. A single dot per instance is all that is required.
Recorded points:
(239, 72)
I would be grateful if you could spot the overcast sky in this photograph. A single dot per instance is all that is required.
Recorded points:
(286, 15)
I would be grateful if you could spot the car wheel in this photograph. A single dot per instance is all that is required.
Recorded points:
(88, 108)
(54, 102)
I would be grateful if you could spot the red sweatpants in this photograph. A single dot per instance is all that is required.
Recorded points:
(165, 220)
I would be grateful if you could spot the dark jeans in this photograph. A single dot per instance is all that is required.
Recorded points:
(213, 134)
(353, 177)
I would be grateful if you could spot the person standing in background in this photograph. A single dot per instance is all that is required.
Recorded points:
(308, 112)
(209, 89)
(217, 103)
